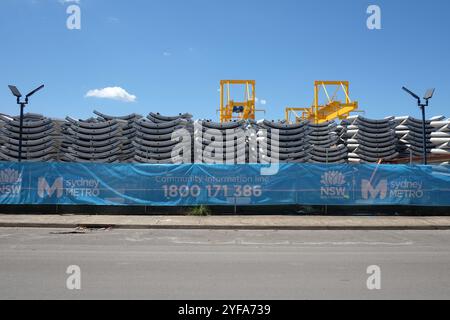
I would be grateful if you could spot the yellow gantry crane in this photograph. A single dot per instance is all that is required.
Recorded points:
(233, 110)
(331, 110)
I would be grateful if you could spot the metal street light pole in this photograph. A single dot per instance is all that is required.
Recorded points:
(425, 156)
(22, 107)
(428, 95)
(22, 104)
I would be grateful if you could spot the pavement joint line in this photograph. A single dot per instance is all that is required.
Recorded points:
(217, 227)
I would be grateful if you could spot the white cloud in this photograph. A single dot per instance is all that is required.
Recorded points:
(112, 93)
(261, 101)
(167, 54)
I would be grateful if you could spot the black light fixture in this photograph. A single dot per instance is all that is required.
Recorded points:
(428, 95)
(22, 104)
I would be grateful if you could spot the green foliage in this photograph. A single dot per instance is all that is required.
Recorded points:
(201, 211)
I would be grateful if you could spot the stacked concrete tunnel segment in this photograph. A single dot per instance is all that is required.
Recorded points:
(93, 140)
(280, 142)
(159, 139)
(368, 140)
(163, 140)
(217, 143)
(41, 138)
(440, 137)
(410, 133)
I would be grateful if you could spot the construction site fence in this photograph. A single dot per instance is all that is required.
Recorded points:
(223, 185)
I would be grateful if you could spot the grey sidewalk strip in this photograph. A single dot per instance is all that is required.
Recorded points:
(227, 222)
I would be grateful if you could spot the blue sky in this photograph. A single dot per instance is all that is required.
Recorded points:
(171, 54)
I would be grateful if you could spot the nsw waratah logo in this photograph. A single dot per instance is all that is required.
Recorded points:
(10, 182)
(333, 178)
(10, 176)
(333, 185)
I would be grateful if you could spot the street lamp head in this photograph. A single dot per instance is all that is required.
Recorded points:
(411, 93)
(429, 94)
(34, 91)
(15, 91)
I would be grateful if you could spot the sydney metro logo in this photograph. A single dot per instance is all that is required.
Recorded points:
(45, 190)
(401, 188)
(372, 192)
(68, 187)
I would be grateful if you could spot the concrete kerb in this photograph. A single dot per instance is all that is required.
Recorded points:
(227, 223)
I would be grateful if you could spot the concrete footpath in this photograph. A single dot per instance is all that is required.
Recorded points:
(226, 222)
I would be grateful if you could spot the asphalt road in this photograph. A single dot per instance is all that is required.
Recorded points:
(179, 264)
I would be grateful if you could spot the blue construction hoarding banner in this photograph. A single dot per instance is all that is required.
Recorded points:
(201, 184)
